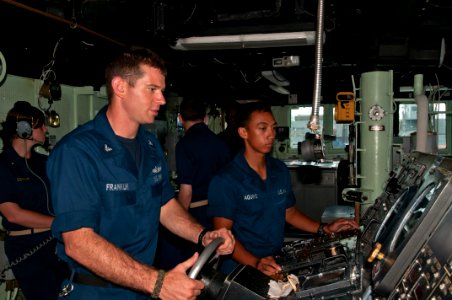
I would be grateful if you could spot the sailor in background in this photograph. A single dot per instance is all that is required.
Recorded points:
(200, 153)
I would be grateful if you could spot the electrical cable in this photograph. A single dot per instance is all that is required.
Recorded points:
(25, 255)
(191, 14)
(45, 72)
(40, 179)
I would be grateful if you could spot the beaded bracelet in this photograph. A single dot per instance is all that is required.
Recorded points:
(158, 284)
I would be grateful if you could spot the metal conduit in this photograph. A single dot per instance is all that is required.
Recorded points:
(314, 123)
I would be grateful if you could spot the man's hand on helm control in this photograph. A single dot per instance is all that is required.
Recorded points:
(229, 242)
(177, 279)
(340, 225)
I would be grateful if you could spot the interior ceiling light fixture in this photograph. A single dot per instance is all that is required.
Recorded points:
(245, 101)
(276, 78)
(241, 41)
(279, 89)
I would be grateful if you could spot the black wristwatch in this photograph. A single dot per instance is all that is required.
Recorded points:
(320, 231)
(201, 237)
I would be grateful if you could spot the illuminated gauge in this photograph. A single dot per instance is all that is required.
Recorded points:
(376, 113)
(2, 67)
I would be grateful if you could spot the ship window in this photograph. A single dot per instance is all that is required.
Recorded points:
(299, 118)
(437, 121)
(340, 131)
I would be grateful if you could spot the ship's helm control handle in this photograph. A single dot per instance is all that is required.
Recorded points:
(204, 257)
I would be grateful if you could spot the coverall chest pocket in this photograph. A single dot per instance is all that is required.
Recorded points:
(119, 194)
(277, 201)
(253, 204)
(156, 186)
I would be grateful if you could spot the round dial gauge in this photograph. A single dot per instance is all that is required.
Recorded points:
(2, 67)
(376, 113)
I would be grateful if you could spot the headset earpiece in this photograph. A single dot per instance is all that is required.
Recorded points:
(24, 129)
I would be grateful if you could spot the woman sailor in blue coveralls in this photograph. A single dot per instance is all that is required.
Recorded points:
(25, 205)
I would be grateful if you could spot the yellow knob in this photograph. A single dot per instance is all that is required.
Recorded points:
(376, 253)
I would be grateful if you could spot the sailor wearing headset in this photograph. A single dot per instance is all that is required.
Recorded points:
(25, 205)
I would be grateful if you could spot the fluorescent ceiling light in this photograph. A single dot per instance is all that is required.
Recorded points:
(245, 101)
(258, 40)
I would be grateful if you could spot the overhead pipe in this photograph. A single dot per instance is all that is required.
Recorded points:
(422, 113)
(72, 24)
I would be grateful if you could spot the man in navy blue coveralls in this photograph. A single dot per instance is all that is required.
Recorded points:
(200, 153)
(253, 196)
(111, 188)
